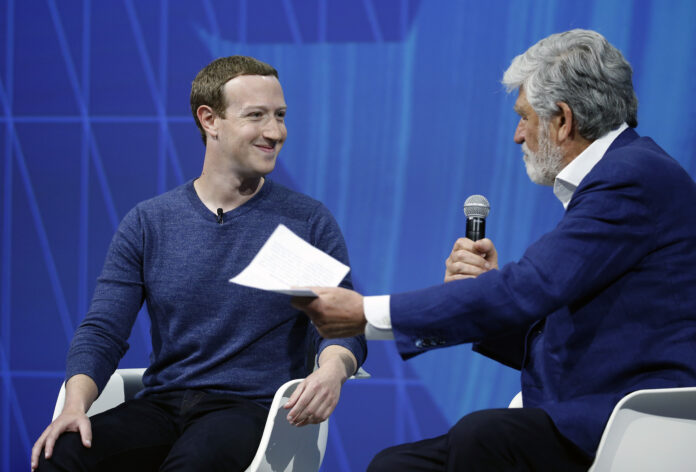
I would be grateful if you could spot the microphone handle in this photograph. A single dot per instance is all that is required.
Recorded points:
(475, 228)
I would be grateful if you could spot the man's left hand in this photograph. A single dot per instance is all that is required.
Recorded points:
(316, 397)
(336, 312)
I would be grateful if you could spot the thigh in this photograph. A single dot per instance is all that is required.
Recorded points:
(520, 439)
(419, 456)
(219, 434)
(134, 436)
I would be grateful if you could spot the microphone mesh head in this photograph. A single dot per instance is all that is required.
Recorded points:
(476, 205)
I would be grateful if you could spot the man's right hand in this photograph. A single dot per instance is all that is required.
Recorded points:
(470, 259)
(80, 393)
(67, 421)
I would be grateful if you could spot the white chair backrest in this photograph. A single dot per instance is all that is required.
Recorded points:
(283, 447)
(650, 430)
(516, 401)
(114, 392)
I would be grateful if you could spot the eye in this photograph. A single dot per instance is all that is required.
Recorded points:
(255, 114)
(280, 114)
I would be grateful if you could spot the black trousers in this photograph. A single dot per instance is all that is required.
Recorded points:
(179, 431)
(511, 439)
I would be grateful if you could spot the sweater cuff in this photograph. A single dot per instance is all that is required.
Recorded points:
(356, 345)
(85, 364)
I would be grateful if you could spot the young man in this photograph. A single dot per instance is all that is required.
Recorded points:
(599, 307)
(219, 350)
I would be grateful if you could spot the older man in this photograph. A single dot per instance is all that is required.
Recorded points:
(601, 306)
(219, 350)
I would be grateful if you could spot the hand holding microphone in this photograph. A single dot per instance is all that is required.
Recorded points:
(473, 255)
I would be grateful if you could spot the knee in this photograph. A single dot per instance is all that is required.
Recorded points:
(48, 465)
(65, 452)
(387, 460)
(474, 431)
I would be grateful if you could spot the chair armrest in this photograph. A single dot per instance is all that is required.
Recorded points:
(286, 447)
(650, 430)
(122, 385)
(516, 401)
(360, 374)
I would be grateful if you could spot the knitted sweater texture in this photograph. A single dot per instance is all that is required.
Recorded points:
(208, 334)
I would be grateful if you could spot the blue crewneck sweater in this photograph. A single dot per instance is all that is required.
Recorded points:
(208, 334)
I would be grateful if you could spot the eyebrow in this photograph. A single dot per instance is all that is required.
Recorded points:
(262, 107)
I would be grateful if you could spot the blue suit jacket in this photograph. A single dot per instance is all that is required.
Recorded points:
(603, 305)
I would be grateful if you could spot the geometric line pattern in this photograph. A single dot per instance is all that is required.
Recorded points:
(396, 117)
(8, 406)
(93, 172)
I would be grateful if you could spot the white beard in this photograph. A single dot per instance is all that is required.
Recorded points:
(544, 165)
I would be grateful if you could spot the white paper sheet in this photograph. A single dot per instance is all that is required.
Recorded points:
(286, 262)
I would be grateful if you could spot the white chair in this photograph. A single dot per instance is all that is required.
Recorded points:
(283, 447)
(516, 401)
(649, 430)
(123, 385)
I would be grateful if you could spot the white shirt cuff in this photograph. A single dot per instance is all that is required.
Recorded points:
(378, 318)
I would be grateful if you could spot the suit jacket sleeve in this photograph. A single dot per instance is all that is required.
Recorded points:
(507, 348)
(605, 231)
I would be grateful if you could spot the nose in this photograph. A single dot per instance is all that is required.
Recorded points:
(519, 132)
(275, 130)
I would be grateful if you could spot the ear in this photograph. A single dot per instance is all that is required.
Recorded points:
(563, 123)
(207, 118)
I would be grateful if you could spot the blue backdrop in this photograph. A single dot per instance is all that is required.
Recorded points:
(396, 115)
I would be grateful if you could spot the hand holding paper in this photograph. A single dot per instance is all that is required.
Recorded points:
(336, 312)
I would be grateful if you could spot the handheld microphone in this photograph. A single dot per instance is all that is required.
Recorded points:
(476, 209)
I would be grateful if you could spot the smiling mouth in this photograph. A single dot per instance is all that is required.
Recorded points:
(266, 147)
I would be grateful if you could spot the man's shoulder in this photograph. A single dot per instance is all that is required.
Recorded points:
(280, 191)
(172, 196)
(638, 170)
(305, 216)
(161, 205)
(634, 157)
(292, 203)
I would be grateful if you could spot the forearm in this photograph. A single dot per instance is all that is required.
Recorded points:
(80, 393)
(339, 359)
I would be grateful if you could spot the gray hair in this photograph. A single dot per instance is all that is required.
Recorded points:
(580, 68)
